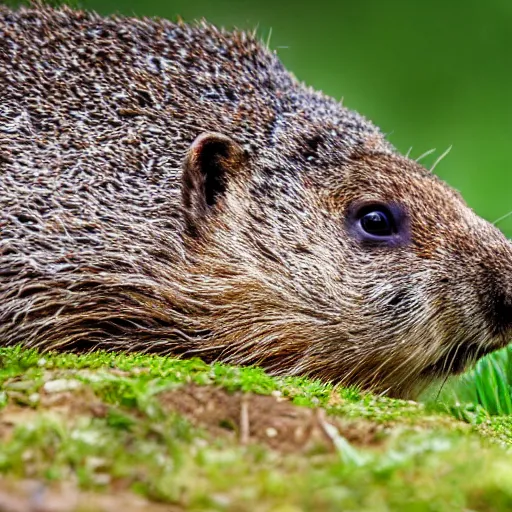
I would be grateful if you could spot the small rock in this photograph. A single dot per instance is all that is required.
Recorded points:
(60, 385)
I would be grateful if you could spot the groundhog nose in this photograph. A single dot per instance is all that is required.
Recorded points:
(496, 292)
(504, 302)
(505, 312)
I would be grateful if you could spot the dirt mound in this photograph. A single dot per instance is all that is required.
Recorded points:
(271, 420)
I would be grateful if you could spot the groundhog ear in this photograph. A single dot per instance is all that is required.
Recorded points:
(211, 160)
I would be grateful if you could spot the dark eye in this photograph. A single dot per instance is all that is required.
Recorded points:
(377, 223)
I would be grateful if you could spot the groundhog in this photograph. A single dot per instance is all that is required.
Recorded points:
(171, 188)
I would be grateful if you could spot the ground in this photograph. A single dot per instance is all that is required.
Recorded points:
(101, 432)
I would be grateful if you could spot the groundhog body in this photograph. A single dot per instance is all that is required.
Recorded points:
(173, 189)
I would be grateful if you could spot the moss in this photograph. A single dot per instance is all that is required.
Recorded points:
(97, 420)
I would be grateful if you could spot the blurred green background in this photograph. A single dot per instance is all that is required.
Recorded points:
(431, 74)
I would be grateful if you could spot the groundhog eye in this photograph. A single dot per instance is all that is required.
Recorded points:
(377, 223)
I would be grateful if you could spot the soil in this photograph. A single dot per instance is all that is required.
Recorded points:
(35, 496)
(70, 404)
(271, 420)
(243, 418)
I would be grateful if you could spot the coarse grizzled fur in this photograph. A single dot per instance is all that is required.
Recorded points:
(120, 229)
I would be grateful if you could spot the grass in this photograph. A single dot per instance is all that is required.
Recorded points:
(484, 390)
(101, 423)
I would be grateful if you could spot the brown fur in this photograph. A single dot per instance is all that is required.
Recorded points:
(121, 230)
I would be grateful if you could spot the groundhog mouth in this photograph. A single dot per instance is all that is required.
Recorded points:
(458, 358)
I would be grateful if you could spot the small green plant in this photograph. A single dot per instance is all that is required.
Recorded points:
(486, 388)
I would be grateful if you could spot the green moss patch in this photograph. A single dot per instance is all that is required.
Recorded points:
(191, 436)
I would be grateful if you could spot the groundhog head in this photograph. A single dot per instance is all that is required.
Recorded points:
(372, 272)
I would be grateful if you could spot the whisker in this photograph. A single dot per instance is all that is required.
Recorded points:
(417, 365)
(503, 217)
(453, 358)
(441, 387)
(269, 37)
(424, 155)
(434, 165)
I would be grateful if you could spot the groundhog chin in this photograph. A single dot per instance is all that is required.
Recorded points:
(461, 357)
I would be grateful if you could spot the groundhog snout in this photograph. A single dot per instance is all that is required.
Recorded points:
(505, 304)
(502, 306)
(507, 313)
(499, 293)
